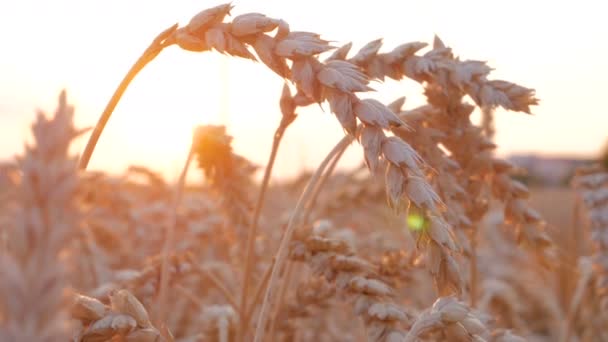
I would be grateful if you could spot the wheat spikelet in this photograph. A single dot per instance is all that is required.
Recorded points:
(228, 173)
(125, 317)
(357, 278)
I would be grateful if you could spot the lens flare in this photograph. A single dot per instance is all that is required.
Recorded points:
(415, 221)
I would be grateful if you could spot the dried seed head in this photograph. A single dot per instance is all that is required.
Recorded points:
(386, 312)
(88, 309)
(212, 147)
(362, 304)
(464, 73)
(395, 336)
(301, 44)
(397, 105)
(303, 74)
(341, 104)
(403, 51)
(345, 263)
(369, 286)
(367, 52)
(371, 139)
(340, 53)
(438, 43)
(518, 211)
(473, 325)
(450, 309)
(322, 227)
(235, 47)
(376, 330)
(343, 76)
(595, 197)
(215, 39)
(123, 301)
(421, 193)
(501, 165)
(264, 47)
(452, 276)
(373, 112)
(187, 41)
(519, 190)
(394, 186)
(207, 18)
(507, 95)
(317, 244)
(401, 154)
(109, 326)
(252, 23)
(434, 258)
(439, 232)
(593, 180)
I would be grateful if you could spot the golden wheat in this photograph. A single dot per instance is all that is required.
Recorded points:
(436, 243)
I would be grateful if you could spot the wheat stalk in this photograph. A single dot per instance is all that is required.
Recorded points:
(157, 45)
(288, 116)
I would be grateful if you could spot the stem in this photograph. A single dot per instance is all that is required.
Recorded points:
(219, 285)
(250, 259)
(309, 206)
(168, 245)
(282, 292)
(284, 246)
(258, 293)
(157, 45)
(569, 239)
(324, 178)
(473, 271)
(191, 296)
(577, 298)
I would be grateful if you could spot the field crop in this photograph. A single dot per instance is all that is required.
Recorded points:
(431, 239)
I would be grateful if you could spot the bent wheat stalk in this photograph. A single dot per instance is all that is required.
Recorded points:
(157, 45)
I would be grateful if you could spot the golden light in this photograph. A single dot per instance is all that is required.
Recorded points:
(88, 53)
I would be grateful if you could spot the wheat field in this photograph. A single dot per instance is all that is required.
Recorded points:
(431, 239)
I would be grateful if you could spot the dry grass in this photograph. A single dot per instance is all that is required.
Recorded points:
(436, 242)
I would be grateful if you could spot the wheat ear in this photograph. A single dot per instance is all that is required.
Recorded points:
(34, 281)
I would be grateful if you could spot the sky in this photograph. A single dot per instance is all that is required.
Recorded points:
(87, 46)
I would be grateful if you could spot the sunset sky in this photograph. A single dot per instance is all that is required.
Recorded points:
(87, 46)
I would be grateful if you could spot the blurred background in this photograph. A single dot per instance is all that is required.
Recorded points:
(87, 46)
